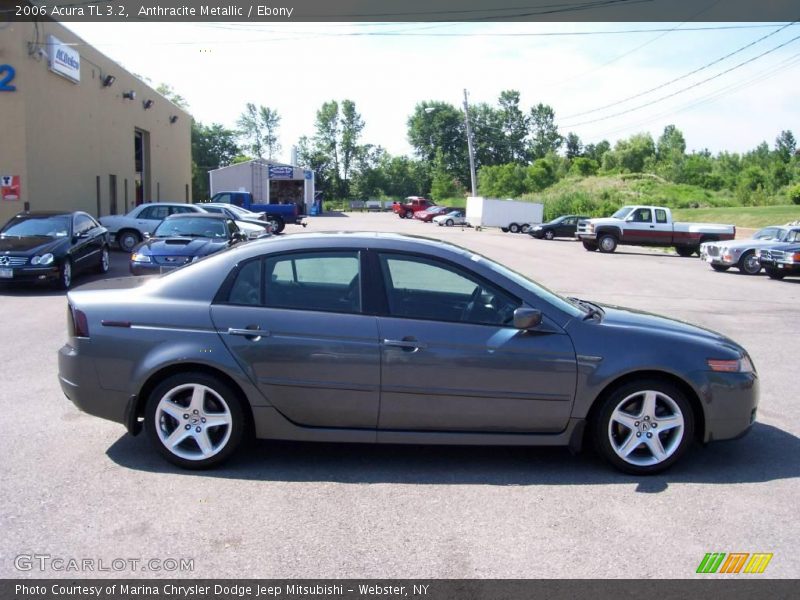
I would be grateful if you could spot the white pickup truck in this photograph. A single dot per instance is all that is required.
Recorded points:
(649, 226)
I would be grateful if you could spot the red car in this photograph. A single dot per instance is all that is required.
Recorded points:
(426, 216)
(407, 208)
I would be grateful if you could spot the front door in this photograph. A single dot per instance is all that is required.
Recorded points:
(294, 324)
(451, 361)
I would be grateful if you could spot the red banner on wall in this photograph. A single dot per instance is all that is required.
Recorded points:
(10, 187)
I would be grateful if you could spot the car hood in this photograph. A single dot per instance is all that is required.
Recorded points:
(785, 246)
(181, 246)
(735, 245)
(625, 317)
(37, 244)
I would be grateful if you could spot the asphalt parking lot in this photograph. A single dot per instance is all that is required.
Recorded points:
(75, 486)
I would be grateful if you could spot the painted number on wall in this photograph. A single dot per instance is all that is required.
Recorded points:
(7, 73)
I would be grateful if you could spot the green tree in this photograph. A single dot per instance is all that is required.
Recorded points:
(785, 146)
(633, 153)
(270, 121)
(351, 126)
(502, 181)
(574, 147)
(170, 94)
(438, 126)
(544, 136)
(443, 184)
(258, 127)
(514, 125)
(670, 153)
(584, 166)
(213, 147)
(596, 151)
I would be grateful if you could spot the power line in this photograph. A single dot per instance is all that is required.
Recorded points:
(687, 88)
(689, 74)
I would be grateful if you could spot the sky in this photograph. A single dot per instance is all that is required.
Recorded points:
(598, 83)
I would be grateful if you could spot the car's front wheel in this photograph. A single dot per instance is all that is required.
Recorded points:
(65, 274)
(607, 243)
(194, 420)
(749, 264)
(643, 427)
(774, 273)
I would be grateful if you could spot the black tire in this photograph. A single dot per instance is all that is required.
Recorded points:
(590, 246)
(65, 274)
(105, 261)
(449, 222)
(774, 273)
(525, 228)
(177, 393)
(720, 268)
(615, 441)
(748, 263)
(685, 251)
(607, 243)
(128, 240)
(549, 235)
(278, 224)
(409, 214)
(513, 228)
(504, 229)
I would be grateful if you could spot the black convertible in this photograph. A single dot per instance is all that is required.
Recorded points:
(52, 247)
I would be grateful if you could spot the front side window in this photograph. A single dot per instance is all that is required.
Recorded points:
(154, 213)
(324, 281)
(421, 288)
(83, 223)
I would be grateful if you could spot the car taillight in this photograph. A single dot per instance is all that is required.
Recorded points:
(78, 323)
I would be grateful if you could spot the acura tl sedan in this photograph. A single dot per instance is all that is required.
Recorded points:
(384, 338)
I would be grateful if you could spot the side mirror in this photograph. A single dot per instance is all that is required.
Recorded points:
(527, 318)
(239, 236)
(146, 235)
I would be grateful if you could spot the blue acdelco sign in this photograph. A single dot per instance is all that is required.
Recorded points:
(276, 172)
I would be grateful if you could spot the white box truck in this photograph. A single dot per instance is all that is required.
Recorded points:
(508, 215)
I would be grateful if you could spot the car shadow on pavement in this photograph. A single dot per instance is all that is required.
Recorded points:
(766, 454)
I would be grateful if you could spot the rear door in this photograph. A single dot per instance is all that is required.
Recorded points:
(450, 361)
(294, 323)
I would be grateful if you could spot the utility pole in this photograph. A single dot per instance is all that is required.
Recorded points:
(470, 147)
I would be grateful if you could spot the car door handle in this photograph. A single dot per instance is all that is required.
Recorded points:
(251, 333)
(408, 345)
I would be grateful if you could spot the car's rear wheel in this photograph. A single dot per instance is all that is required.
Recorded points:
(102, 266)
(513, 228)
(449, 222)
(128, 239)
(278, 224)
(525, 228)
(607, 243)
(194, 420)
(685, 251)
(644, 427)
(775, 274)
(409, 214)
(748, 263)
(549, 235)
(720, 268)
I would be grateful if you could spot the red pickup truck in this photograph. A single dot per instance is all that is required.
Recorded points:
(407, 208)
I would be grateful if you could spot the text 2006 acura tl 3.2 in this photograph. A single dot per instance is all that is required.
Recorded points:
(393, 339)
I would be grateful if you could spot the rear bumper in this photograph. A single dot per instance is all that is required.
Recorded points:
(79, 382)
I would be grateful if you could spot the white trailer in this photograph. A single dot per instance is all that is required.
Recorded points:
(508, 215)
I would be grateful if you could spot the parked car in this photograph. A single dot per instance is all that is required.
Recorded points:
(128, 230)
(741, 253)
(407, 208)
(427, 215)
(782, 260)
(52, 247)
(564, 226)
(184, 238)
(316, 337)
(454, 217)
(253, 226)
(649, 226)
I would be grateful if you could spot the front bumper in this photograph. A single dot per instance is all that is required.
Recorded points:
(787, 268)
(730, 404)
(29, 274)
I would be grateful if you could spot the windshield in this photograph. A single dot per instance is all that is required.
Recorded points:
(38, 226)
(622, 212)
(191, 227)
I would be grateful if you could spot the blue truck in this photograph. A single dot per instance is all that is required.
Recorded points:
(279, 214)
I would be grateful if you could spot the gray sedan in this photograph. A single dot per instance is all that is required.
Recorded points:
(392, 339)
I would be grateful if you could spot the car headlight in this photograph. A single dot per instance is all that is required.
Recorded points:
(537, 228)
(139, 257)
(44, 259)
(739, 365)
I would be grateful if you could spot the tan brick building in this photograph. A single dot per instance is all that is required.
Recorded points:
(78, 132)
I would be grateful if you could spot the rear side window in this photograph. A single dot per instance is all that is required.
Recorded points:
(320, 281)
(661, 216)
(247, 287)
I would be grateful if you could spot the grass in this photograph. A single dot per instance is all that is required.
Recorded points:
(741, 216)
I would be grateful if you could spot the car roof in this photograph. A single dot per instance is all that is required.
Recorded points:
(198, 215)
(49, 213)
(164, 204)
